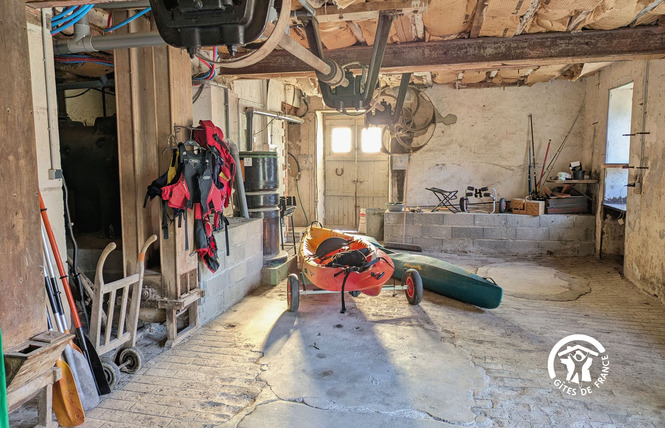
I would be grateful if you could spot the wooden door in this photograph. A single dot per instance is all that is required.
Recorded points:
(356, 172)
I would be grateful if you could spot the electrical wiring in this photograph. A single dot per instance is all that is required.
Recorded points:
(65, 12)
(213, 72)
(76, 16)
(79, 94)
(128, 20)
(78, 59)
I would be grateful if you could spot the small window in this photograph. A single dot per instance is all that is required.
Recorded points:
(371, 140)
(341, 140)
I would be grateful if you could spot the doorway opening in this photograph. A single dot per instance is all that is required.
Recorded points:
(617, 149)
(356, 173)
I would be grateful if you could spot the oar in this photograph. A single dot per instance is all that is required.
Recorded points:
(4, 420)
(81, 340)
(85, 382)
(66, 401)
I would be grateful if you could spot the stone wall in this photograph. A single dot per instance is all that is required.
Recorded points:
(509, 234)
(644, 222)
(238, 274)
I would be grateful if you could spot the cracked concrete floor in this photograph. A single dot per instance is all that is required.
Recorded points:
(386, 363)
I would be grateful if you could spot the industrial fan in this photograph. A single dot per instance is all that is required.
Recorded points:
(409, 117)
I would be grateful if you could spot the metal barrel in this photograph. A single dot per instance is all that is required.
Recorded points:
(261, 183)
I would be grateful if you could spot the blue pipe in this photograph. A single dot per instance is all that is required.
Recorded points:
(128, 20)
(74, 19)
(62, 14)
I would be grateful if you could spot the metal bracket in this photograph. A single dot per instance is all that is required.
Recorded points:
(358, 94)
(389, 116)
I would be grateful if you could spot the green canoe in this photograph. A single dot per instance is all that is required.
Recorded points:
(447, 279)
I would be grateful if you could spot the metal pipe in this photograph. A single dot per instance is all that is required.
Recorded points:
(107, 43)
(308, 7)
(285, 117)
(124, 5)
(240, 184)
(48, 80)
(249, 114)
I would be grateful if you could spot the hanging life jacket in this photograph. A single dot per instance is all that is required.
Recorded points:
(200, 181)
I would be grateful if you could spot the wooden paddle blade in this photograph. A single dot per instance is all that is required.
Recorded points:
(66, 401)
(96, 367)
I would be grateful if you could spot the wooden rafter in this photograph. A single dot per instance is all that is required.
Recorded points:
(487, 53)
(363, 11)
(478, 18)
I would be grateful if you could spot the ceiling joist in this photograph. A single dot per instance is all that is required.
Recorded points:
(485, 53)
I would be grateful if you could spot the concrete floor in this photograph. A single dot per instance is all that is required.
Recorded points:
(386, 363)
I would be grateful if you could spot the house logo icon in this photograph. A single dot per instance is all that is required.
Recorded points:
(578, 364)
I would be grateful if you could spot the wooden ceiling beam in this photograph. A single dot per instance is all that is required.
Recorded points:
(363, 11)
(478, 18)
(488, 53)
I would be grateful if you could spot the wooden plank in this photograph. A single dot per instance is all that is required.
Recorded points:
(16, 398)
(478, 18)
(529, 50)
(363, 11)
(23, 300)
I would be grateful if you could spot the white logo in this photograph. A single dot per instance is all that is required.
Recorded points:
(580, 366)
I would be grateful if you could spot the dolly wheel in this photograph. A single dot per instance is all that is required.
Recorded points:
(292, 292)
(502, 205)
(111, 373)
(414, 286)
(130, 360)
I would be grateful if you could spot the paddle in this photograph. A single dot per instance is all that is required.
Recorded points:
(4, 419)
(84, 381)
(81, 340)
(66, 402)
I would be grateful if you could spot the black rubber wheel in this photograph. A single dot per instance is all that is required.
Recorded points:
(502, 205)
(354, 293)
(131, 359)
(464, 204)
(414, 286)
(292, 292)
(111, 373)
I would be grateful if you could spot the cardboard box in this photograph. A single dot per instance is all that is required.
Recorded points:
(522, 206)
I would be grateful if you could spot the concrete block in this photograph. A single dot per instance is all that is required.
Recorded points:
(519, 220)
(490, 219)
(393, 218)
(430, 244)
(413, 230)
(428, 218)
(498, 245)
(253, 246)
(436, 231)
(458, 219)
(532, 234)
(392, 231)
(520, 247)
(567, 234)
(499, 232)
(587, 248)
(556, 247)
(237, 273)
(457, 245)
(585, 222)
(467, 232)
(557, 220)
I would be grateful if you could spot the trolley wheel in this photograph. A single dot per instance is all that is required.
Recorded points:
(111, 373)
(130, 360)
(464, 204)
(354, 293)
(502, 205)
(414, 286)
(292, 292)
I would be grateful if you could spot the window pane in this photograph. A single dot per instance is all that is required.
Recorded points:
(371, 140)
(341, 140)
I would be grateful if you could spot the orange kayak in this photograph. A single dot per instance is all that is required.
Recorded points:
(335, 261)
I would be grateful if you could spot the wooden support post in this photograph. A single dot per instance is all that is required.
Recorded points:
(153, 94)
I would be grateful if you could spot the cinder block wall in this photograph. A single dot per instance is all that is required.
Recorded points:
(238, 274)
(510, 234)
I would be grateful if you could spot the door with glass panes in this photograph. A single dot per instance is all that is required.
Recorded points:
(356, 172)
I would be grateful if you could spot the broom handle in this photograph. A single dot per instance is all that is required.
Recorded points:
(406, 182)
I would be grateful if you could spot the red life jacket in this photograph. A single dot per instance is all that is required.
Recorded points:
(204, 182)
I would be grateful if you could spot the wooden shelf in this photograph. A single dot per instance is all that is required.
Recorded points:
(573, 181)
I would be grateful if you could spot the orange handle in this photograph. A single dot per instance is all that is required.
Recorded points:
(61, 269)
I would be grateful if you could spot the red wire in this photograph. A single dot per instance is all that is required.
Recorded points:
(110, 20)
